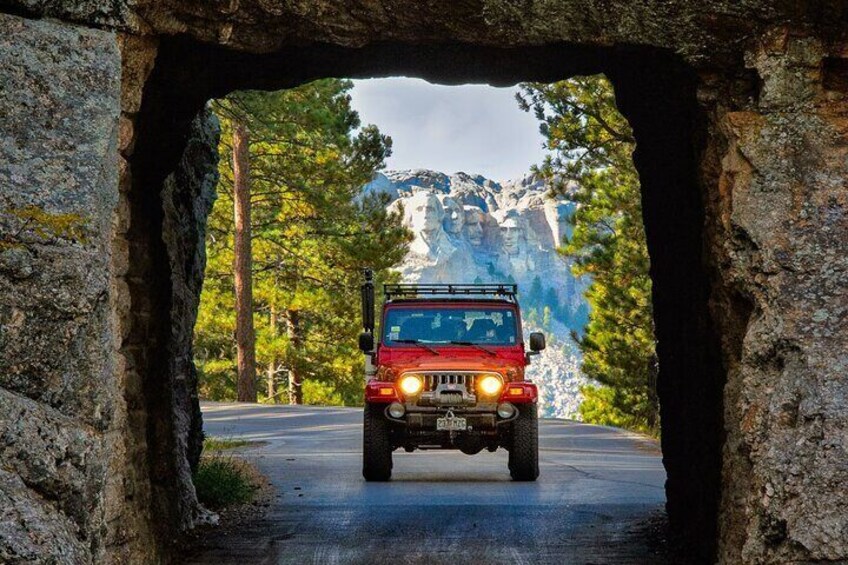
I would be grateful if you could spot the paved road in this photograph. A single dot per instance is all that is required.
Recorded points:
(598, 488)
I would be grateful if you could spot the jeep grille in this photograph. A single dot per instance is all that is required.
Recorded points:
(433, 380)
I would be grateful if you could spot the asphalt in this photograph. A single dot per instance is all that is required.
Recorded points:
(599, 491)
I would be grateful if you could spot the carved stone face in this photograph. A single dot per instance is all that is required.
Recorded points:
(454, 215)
(474, 225)
(424, 212)
(512, 233)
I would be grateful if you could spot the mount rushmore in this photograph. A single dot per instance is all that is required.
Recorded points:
(468, 228)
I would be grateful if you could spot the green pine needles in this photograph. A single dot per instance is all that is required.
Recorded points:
(313, 231)
(592, 166)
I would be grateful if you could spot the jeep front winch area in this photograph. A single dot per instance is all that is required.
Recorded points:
(448, 373)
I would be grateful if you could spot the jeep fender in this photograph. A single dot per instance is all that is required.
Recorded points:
(381, 392)
(520, 393)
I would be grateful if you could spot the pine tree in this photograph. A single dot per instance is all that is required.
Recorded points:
(532, 318)
(546, 318)
(592, 166)
(534, 296)
(271, 393)
(242, 266)
(313, 231)
(551, 299)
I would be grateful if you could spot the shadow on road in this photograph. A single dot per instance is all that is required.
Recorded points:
(599, 498)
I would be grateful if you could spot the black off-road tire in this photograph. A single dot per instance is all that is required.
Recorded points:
(376, 445)
(524, 444)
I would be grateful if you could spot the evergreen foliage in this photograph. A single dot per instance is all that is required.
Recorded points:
(534, 295)
(313, 233)
(591, 164)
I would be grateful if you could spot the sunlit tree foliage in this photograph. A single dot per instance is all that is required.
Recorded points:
(591, 164)
(313, 232)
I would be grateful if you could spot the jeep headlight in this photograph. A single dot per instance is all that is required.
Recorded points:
(490, 385)
(411, 385)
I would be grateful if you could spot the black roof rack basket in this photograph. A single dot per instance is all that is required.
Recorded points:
(395, 291)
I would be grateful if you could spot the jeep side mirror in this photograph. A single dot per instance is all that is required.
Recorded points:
(366, 342)
(537, 341)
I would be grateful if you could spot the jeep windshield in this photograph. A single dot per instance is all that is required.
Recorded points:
(450, 326)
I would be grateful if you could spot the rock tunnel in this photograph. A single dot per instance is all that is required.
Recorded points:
(741, 130)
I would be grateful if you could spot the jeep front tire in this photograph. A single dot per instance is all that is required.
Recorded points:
(376, 445)
(524, 444)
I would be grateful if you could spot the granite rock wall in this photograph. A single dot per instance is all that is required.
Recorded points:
(80, 435)
(60, 406)
(779, 231)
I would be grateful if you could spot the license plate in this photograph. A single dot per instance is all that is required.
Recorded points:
(451, 424)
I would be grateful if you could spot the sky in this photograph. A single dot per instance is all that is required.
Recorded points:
(471, 128)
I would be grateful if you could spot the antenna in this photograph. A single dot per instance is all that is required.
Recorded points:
(367, 291)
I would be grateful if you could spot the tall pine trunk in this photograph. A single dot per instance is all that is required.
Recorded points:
(243, 266)
(295, 378)
(271, 374)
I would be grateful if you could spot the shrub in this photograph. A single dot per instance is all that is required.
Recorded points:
(224, 481)
(212, 443)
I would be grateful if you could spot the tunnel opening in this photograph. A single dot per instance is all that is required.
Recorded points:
(458, 182)
(654, 91)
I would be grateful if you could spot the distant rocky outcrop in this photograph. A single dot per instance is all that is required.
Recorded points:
(472, 229)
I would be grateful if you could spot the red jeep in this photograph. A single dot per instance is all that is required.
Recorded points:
(448, 373)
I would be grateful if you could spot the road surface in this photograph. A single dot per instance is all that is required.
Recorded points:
(598, 489)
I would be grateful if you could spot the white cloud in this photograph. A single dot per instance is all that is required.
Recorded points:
(472, 128)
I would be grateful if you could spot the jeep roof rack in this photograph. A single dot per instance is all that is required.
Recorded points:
(395, 291)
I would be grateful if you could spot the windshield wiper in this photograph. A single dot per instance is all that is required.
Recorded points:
(418, 343)
(477, 345)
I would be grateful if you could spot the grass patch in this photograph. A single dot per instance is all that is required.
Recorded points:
(224, 481)
(213, 443)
